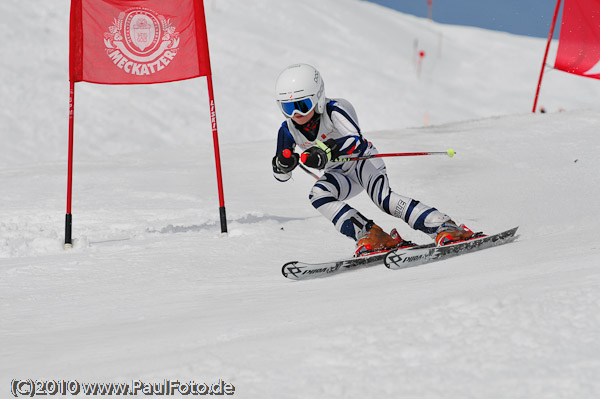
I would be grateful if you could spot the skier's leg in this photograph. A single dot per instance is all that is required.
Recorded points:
(328, 195)
(372, 176)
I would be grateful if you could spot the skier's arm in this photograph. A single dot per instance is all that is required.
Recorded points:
(351, 142)
(345, 122)
(350, 145)
(285, 159)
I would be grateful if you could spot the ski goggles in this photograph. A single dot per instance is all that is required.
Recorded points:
(302, 107)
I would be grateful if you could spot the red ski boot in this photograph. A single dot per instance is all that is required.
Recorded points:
(377, 240)
(449, 232)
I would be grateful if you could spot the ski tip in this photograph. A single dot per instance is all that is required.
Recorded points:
(287, 272)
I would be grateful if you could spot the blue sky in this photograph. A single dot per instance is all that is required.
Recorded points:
(522, 17)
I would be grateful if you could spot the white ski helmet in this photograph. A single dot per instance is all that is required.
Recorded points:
(300, 89)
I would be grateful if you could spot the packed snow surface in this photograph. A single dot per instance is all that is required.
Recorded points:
(151, 291)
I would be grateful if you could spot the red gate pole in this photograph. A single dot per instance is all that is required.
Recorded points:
(69, 217)
(213, 122)
(429, 9)
(537, 92)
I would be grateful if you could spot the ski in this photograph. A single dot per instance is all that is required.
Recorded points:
(303, 271)
(398, 258)
(415, 256)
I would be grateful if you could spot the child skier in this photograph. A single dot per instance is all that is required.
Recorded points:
(325, 129)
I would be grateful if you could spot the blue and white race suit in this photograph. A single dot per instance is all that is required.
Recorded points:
(344, 180)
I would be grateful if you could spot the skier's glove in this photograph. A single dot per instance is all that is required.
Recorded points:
(320, 154)
(285, 161)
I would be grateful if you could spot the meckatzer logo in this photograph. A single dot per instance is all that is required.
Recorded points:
(141, 42)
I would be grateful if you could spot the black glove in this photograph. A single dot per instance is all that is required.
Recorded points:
(320, 154)
(285, 161)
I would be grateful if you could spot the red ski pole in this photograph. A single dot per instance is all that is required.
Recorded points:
(450, 153)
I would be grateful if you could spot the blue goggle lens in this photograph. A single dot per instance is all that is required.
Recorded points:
(303, 106)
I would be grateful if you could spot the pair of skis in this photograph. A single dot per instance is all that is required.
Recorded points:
(399, 258)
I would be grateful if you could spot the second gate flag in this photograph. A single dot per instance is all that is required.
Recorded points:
(579, 41)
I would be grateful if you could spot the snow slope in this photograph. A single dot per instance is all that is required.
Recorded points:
(151, 291)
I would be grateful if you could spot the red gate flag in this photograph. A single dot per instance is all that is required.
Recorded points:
(137, 41)
(579, 41)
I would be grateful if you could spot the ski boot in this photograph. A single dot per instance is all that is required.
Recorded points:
(449, 232)
(377, 240)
